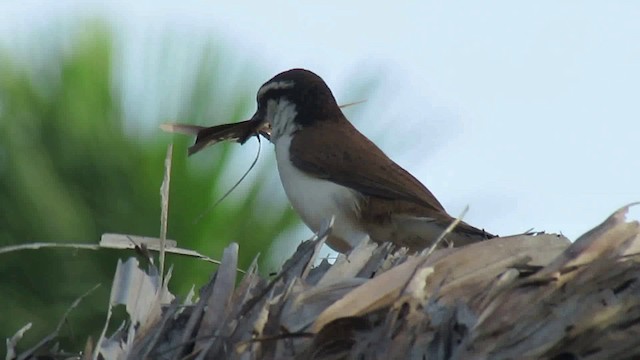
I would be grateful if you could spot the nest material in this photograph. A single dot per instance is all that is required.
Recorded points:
(524, 297)
(520, 297)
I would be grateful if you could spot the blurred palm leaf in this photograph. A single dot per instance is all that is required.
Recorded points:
(72, 168)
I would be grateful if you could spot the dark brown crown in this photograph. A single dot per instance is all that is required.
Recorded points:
(312, 97)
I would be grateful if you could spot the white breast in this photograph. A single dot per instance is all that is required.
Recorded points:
(317, 200)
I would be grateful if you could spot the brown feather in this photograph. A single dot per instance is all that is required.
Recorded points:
(344, 156)
(389, 219)
(392, 197)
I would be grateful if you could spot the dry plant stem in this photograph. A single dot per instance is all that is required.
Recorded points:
(518, 297)
(12, 342)
(446, 231)
(253, 164)
(170, 312)
(40, 245)
(29, 353)
(103, 334)
(352, 103)
(218, 301)
(164, 195)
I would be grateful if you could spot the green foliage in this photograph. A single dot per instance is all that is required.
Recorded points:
(71, 169)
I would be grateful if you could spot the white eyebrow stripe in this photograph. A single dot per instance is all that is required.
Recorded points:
(275, 86)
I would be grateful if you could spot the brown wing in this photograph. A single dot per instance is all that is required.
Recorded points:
(343, 155)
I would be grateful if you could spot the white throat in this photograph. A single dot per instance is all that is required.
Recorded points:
(317, 200)
(281, 114)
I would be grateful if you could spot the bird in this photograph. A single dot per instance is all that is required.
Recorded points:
(329, 169)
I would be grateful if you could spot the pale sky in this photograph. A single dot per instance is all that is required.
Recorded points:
(528, 112)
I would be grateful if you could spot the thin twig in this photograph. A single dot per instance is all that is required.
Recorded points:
(27, 354)
(352, 103)
(446, 232)
(253, 164)
(425, 254)
(40, 245)
(164, 203)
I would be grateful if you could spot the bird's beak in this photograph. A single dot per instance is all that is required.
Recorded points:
(259, 119)
(258, 126)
